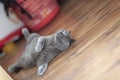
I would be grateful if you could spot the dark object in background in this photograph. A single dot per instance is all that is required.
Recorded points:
(2, 54)
(8, 3)
(62, 2)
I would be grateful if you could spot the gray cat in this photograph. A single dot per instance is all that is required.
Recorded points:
(40, 50)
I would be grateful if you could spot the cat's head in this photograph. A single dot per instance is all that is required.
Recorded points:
(64, 35)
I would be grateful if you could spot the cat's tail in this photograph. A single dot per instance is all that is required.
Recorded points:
(14, 68)
(26, 33)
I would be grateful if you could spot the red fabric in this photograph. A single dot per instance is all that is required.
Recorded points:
(42, 12)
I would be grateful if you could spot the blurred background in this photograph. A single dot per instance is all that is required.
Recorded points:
(31, 14)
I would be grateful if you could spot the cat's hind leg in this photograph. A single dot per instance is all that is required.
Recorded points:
(42, 63)
(42, 68)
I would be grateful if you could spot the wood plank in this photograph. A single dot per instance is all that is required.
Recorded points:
(4, 75)
(94, 61)
(93, 24)
(112, 74)
(85, 43)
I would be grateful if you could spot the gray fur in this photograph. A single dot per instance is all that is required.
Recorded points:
(40, 50)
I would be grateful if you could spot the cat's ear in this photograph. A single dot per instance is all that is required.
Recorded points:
(26, 33)
(40, 44)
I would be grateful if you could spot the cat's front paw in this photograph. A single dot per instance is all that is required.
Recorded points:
(40, 44)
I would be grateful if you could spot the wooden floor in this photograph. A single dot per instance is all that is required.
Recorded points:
(95, 24)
